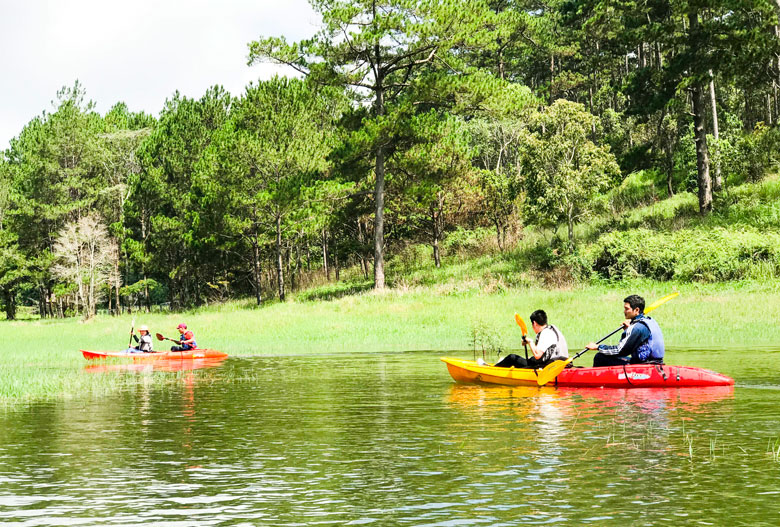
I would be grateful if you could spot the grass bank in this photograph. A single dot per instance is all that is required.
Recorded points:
(40, 358)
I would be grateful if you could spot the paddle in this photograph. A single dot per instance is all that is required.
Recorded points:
(552, 370)
(160, 337)
(524, 329)
(132, 330)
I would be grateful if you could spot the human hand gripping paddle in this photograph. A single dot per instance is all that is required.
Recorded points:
(524, 329)
(160, 337)
(132, 330)
(552, 370)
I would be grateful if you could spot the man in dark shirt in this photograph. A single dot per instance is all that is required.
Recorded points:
(642, 340)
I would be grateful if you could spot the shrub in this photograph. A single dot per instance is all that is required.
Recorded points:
(691, 255)
(466, 241)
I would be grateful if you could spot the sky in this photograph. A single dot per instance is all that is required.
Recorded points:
(138, 52)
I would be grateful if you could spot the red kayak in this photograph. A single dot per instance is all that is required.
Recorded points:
(629, 376)
(197, 353)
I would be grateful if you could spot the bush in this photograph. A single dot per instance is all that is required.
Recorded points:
(690, 255)
(752, 155)
(637, 189)
(466, 241)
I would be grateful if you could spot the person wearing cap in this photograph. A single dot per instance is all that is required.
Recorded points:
(144, 343)
(187, 340)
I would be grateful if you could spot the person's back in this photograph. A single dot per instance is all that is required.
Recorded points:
(554, 344)
(652, 348)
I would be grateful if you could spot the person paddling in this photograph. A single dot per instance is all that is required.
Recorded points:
(186, 340)
(550, 345)
(144, 343)
(641, 341)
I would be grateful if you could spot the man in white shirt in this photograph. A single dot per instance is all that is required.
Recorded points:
(550, 345)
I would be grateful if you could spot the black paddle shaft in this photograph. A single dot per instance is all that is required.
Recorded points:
(599, 342)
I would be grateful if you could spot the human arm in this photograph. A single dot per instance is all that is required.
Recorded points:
(538, 351)
(610, 349)
(638, 335)
(545, 345)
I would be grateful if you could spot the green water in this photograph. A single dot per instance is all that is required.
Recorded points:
(390, 440)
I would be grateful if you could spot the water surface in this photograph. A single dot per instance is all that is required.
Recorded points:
(389, 439)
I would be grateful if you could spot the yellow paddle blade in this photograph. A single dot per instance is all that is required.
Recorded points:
(551, 371)
(521, 324)
(663, 300)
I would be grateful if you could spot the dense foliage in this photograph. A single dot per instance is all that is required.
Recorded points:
(449, 124)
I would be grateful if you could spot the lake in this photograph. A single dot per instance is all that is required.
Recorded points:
(390, 439)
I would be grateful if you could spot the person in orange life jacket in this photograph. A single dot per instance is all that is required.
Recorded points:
(549, 345)
(187, 340)
(642, 339)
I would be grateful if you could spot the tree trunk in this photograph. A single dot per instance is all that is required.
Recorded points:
(42, 301)
(437, 215)
(379, 196)
(361, 244)
(298, 263)
(117, 253)
(279, 263)
(288, 263)
(257, 270)
(570, 224)
(717, 181)
(669, 170)
(590, 108)
(436, 235)
(147, 298)
(325, 253)
(49, 303)
(9, 299)
(500, 59)
(700, 134)
(702, 153)
(499, 233)
(552, 77)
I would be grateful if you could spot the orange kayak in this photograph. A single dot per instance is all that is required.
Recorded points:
(197, 353)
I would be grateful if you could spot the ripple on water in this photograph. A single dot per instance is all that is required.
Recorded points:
(389, 439)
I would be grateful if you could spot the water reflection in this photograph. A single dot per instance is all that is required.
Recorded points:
(156, 365)
(386, 439)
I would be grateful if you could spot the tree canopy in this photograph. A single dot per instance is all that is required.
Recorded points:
(406, 122)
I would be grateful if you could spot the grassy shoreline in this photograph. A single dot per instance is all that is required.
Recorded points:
(41, 358)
